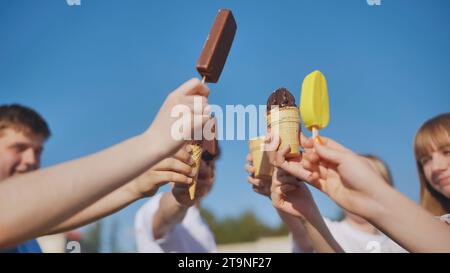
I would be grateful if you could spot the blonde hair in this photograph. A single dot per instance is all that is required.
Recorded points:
(435, 131)
(381, 167)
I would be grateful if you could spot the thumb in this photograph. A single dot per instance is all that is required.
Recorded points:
(271, 142)
(280, 155)
(328, 153)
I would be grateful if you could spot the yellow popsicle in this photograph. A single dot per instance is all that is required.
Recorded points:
(314, 107)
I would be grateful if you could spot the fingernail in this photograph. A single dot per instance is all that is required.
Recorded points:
(319, 140)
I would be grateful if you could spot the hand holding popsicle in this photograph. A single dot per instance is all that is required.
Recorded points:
(347, 178)
(187, 94)
(211, 62)
(314, 106)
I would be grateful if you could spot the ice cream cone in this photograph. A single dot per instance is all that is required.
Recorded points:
(261, 163)
(196, 156)
(285, 122)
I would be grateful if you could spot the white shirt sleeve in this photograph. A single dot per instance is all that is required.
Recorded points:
(145, 241)
(191, 235)
(445, 218)
(355, 241)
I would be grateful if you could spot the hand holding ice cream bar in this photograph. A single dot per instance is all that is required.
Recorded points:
(211, 63)
(283, 120)
(314, 107)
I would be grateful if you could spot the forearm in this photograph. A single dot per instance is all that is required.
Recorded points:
(408, 224)
(321, 238)
(169, 213)
(299, 234)
(33, 203)
(107, 205)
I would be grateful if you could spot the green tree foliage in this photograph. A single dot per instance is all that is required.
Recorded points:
(244, 228)
(90, 241)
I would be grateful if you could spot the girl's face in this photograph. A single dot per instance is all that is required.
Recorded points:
(436, 167)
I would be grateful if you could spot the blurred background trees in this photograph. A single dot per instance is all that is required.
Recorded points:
(246, 227)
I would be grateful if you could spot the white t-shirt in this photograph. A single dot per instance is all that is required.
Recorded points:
(445, 218)
(191, 235)
(356, 241)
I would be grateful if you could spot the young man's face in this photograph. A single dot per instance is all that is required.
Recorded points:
(19, 153)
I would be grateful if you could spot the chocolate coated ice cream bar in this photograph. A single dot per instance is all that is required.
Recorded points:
(217, 46)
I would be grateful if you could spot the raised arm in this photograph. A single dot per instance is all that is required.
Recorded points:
(293, 197)
(33, 203)
(173, 205)
(296, 209)
(353, 184)
(177, 169)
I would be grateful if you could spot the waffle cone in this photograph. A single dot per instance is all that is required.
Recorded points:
(286, 122)
(261, 163)
(196, 156)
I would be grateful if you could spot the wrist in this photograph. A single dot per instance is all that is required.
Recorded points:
(175, 203)
(172, 212)
(152, 146)
(181, 205)
(132, 191)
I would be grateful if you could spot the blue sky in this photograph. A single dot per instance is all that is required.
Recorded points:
(99, 72)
